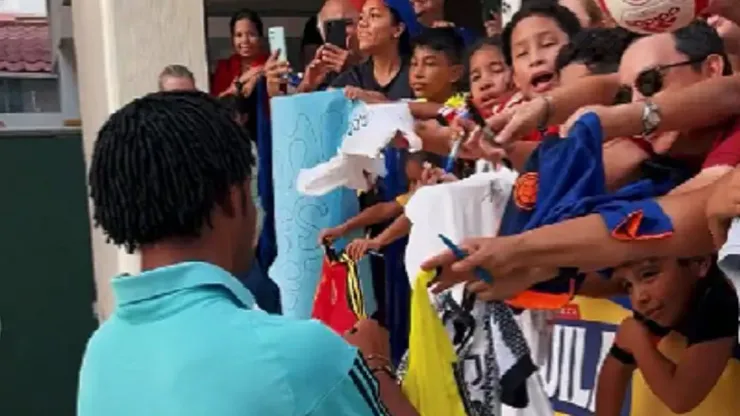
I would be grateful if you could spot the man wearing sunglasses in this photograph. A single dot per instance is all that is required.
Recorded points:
(672, 61)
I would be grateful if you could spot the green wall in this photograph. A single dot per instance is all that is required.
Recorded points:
(46, 279)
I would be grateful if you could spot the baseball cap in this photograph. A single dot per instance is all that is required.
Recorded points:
(405, 12)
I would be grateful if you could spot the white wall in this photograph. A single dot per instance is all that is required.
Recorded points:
(37, 7)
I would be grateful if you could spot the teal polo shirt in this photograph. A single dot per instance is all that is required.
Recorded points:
(186, 340)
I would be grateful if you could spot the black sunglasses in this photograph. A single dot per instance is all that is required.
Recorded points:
(650, 81)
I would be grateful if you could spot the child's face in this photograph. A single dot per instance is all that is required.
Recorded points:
(490, 77)
(414, 169)
(535, 43)
(432, 75)
(662, 289)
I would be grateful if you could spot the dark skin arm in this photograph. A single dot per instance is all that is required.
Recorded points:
(592, 247)
(586, 243)
(369, 216)
(373, 342)
(614, 378)
(398, 228)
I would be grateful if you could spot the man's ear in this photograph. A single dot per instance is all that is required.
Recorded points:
(714, 66)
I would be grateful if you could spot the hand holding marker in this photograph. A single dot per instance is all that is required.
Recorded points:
(479, 272)
(444, 117)
(465, 111)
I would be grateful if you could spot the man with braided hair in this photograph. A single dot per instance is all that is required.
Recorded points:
(170, 177)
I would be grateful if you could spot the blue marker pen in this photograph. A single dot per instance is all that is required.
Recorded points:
(479, 272)
(450, 164)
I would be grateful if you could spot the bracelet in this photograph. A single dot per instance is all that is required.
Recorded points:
(622, 355)
(384, 369)
(383, 359)
(542, 124)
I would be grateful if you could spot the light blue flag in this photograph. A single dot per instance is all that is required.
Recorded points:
(307, 129)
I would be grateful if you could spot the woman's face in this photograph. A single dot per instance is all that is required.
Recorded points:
(490, 77)
(376, 30)
(246, 39)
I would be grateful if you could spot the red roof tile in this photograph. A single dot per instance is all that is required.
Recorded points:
(25, 45)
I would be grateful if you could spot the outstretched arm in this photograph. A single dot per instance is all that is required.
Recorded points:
(399, 228)
(586, 243)
(372, 215)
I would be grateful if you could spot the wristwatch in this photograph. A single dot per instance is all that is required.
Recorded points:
(651, 118)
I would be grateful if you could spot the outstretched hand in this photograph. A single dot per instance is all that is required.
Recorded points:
(489, 253)
(514, 123)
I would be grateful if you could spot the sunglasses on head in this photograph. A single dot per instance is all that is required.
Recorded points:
(650, 81)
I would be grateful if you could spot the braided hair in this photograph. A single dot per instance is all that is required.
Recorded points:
(162, 163)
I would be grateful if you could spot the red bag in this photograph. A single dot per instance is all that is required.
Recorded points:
(338, 302)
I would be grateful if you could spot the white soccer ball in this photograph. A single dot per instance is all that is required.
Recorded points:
(653, 16)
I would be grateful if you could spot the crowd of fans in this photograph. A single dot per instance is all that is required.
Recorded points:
(172, 176)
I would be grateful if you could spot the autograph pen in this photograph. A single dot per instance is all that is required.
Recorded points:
(479, 272)
(451, 158)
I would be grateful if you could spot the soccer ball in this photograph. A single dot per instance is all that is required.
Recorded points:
(653, 16)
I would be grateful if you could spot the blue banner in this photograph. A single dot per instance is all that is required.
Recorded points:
(307, 129)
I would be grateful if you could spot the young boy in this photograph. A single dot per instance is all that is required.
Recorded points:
(381, 212)
(689, 297)
(436, 65)
(531, 42)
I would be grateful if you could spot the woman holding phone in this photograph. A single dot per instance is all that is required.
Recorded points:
(336, 25)
(242, 75)
(238, 74)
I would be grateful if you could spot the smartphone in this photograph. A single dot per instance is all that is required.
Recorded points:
(276, 38)
(336, 32)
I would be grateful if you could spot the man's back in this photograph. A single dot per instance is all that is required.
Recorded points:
(183, 341)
